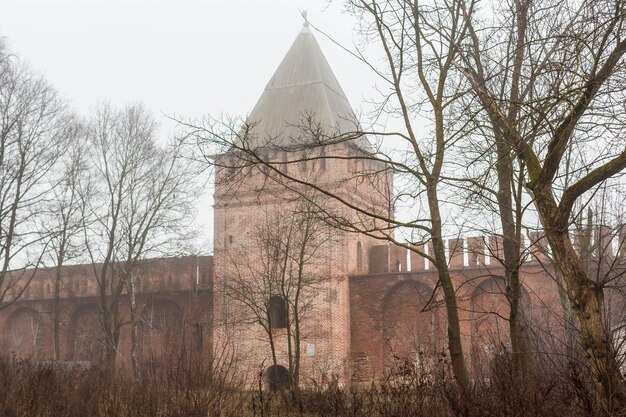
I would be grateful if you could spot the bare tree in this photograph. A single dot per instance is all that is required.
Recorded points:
(66, 217)
(493, 189)
(421, 83)
(493, 192)
(33, 135)
(278, 278)
(142, 205)
(566, 71)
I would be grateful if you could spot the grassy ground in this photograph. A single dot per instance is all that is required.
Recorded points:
(29, 389)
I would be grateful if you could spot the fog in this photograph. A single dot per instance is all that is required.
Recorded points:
(184, 58)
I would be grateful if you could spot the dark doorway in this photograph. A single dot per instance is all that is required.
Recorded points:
(278, 378)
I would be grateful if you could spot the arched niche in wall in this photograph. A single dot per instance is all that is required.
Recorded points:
(278, 378)
(359, 256)
(378, 259)
(22, 336)
(161, 330)
(489, 318)
(86, 337)
(411, 335)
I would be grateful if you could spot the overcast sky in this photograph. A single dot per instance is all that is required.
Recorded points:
(179, 57)
(188, 57)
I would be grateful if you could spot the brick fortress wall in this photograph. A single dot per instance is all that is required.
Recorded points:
(396, 313)
(174, 299)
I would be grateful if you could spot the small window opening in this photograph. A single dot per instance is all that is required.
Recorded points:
(303, 162)
(278, 312)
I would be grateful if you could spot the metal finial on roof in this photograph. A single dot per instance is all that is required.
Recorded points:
(304, 16)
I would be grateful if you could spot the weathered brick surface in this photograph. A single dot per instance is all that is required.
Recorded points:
(240, 210)
(398, 315)
(175, 294)
(358, 327)
(393, 313)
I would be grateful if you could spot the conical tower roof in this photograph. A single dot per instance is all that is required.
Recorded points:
(302, 86)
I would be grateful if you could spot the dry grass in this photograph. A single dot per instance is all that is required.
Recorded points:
(192, 389)
(33, 389)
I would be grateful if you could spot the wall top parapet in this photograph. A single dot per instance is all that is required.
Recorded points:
(604, 245)
(187, 273)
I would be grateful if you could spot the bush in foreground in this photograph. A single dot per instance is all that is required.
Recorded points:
(30, 389)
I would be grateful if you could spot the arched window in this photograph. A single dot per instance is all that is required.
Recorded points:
(323, 160)
(359, 257)
(278, 312)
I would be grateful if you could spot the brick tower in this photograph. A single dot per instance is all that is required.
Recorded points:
(302, 107)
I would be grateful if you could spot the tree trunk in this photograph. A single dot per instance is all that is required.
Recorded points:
(587, 304)
(56, 314)
(290, 344)
(569, 323)
(586, 298)
(134, 333)
(109, 358)
(270, 334)
(511, 232)
(517, 324)
(296, 371)
(111, 333)
(457, 357)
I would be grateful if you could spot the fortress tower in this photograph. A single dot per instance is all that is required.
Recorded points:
(292, 128)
